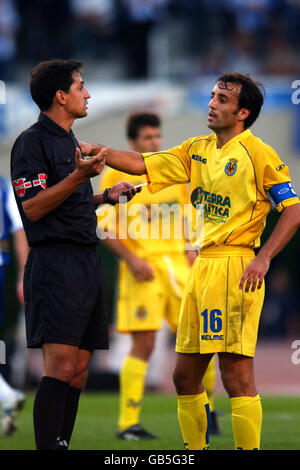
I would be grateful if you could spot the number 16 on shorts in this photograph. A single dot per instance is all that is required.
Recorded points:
(212, 322)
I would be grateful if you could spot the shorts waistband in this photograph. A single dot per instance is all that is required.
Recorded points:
(225, 250)
(63, 244)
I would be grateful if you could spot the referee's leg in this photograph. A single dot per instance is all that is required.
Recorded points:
(56, 401)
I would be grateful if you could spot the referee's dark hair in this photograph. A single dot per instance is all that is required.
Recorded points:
(250, 97)
(50, 76)
(138, 120)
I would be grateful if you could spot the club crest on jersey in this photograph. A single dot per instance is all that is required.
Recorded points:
(141, 313)
(231, 167)
(21, 184)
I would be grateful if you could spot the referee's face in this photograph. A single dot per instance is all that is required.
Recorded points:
(77, 98)
(223, 108)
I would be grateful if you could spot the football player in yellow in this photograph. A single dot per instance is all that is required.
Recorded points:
(152, 276)
(234, 178)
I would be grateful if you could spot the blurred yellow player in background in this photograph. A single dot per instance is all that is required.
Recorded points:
(152, 274)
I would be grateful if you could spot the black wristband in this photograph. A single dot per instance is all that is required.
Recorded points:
(106, 198)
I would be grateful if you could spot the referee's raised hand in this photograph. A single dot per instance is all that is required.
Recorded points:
(92, 166)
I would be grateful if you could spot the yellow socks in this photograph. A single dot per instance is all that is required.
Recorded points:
(209, 382)
(246, 422)
(194, 420)
(132, 381)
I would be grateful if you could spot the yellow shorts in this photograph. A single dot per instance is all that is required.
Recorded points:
(215, 315)
(141, 306)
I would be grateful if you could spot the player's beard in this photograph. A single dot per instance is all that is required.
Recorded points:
(212, 125)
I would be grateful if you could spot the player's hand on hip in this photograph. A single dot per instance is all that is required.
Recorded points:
(141, 270)
(191, 255)
(92, 166)
(254, 274)
(124, 189)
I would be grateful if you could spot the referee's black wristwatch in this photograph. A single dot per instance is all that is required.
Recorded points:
(106, 198)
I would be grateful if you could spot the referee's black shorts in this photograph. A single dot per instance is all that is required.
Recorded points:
(65, 297)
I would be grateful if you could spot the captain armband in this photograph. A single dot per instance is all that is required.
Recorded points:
(281, 193)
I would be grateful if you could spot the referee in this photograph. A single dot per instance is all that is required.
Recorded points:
(64, 287)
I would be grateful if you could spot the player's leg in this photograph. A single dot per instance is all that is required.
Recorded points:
(139, 311)
(132, 384)
(209, 383)
(157, 368)
(75, 388)
(51, 397)
(11, 400)
(237, 374)
(193, 405)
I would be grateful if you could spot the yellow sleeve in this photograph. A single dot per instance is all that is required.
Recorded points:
(184, 194)
(107, 179)
(172, 166)
(271, 173)
(107, 215)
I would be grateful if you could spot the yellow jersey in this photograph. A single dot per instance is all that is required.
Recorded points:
(231, 189)
(149, 224)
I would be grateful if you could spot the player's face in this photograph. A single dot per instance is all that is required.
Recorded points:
(148, 140)
(223, 108)
(76, 99)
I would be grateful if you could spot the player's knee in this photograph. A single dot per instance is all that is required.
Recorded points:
(148, 345)
(143, 345)
(227, 380)
(236, 384)
(183, 382)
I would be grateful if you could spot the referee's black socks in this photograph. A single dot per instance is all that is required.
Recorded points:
(49, 411)
(69, 418)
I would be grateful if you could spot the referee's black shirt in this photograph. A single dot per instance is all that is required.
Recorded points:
(41, 157)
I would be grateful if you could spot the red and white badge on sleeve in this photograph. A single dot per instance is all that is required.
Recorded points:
(21, 184)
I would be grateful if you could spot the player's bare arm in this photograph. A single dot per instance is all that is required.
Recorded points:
(90, 149)
(126, 160)
(123, 160)
(50, 198)
(284, 230)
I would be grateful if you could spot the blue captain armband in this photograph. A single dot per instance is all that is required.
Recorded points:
(281, 192)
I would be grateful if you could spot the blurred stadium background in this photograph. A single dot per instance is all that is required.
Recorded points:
(163, 56)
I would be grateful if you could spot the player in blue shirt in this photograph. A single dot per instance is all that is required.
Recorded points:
(10, 225)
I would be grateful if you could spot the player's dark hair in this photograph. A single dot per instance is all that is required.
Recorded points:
(50, 76)
(138, 120)
(251, 95)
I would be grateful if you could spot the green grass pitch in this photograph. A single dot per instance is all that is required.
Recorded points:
(96, 423)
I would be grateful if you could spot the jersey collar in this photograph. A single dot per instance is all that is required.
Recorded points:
(51, 126)
(236, 139)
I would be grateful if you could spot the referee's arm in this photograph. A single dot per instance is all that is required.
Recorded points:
(50, 198)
